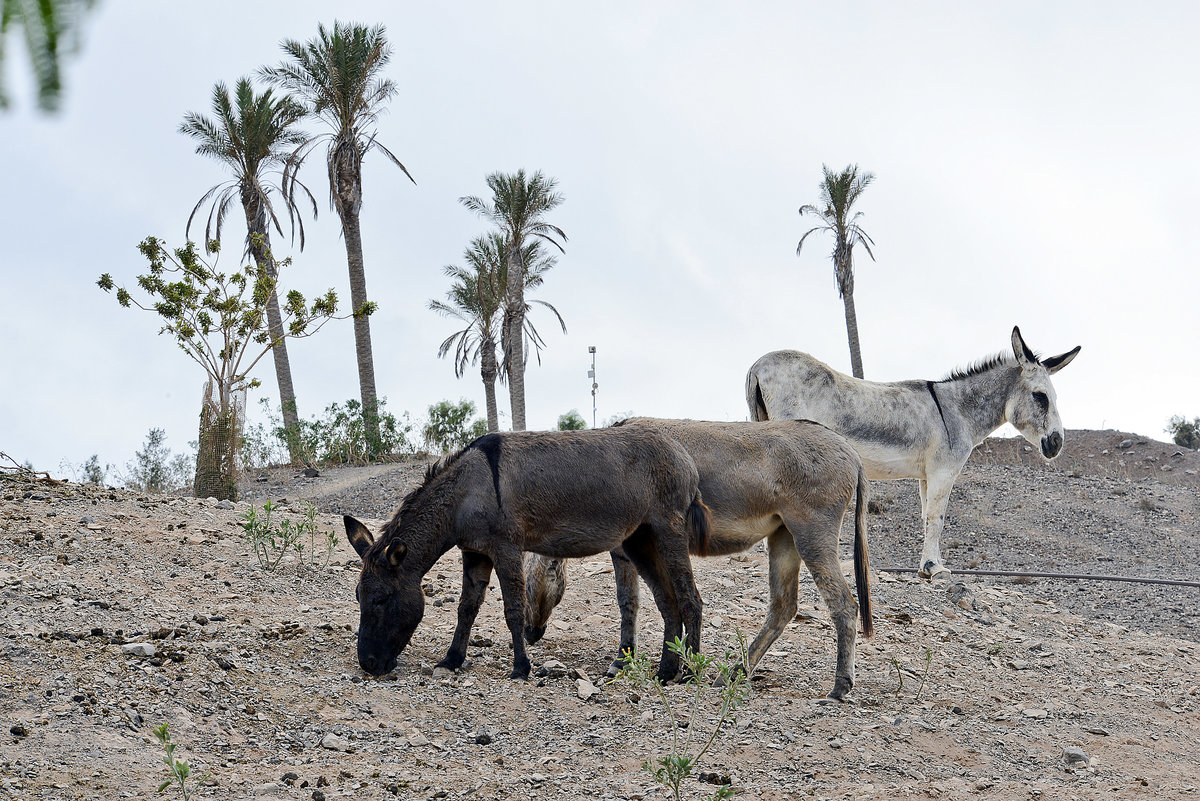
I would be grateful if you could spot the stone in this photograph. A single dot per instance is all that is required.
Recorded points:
(960, 595)
(1125, 443)
(585, 689)
(1035, 713)
(138, 649)
(1074, 757)
(484, 736)
(333, 742)
(440, 673)
(311, 472)
(226, 505)
(552, 669)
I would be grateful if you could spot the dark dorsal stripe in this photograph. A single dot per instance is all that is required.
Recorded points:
(938, 404)
(490, 445)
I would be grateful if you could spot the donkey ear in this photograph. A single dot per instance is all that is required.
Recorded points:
(394, 552)
(1056, 363)
(358, 534)
(1021, 350)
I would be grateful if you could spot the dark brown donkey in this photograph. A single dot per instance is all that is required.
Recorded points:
(560, 494)
(789, 481)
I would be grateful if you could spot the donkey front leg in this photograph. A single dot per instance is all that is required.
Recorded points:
(935, 494)
(477, 572)
(512, 589)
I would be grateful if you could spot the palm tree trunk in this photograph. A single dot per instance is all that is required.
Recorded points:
(261, 250)
(362, 328)
(514, 324)
(488, 371)
(852, 335)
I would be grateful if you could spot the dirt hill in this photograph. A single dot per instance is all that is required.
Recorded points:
(121, 612)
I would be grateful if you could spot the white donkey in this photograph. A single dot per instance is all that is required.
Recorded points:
(917, 429)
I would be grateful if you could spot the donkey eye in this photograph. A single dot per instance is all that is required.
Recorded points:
(1041, 400)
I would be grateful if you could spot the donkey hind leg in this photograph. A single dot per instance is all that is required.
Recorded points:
(817, 544)
(784, 568)
(477, 572)
(641, 550)
(509, 571)
(627, 600)
(671, 543)
(935, 493)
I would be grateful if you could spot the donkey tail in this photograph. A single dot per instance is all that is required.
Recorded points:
(699, 522)
(754, 398)
(862, 559)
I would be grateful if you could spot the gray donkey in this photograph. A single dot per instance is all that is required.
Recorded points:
(917, 429)
(788, 481)
(562, 494)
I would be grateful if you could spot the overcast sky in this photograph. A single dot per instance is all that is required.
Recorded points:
(1036, 164)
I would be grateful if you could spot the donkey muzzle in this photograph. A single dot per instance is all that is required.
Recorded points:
(1052, 444)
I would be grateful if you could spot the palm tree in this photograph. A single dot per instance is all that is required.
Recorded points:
(253, 134)
(839, 191)
(476, 297)
(338, 74)
(51, 28)
(518, 207)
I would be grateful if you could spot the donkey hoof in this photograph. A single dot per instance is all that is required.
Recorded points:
(933, 570)
(839, 694)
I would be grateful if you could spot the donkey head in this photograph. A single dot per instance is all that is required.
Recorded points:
(1032, 406)
(390, 600)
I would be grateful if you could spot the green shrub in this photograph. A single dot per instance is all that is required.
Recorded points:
(1184, 432)
(448, 427)
(571, 421)
(340, 437)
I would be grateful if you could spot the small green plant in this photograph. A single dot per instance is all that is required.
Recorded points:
(924, 675)
(271, 541)
(179, 769)
(719, 681)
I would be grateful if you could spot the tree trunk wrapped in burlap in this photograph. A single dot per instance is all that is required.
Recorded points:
(217, 456)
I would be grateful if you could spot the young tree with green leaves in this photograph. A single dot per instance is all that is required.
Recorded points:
(219, 320)
(339, 74)
(838, 194)
(518, 207)
(253, 134)
(477, 297)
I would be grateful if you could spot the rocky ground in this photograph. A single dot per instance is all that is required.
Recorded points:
(121, 612)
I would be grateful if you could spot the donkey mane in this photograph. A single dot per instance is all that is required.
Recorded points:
(489, 444)
(982, 366)
(432, 471)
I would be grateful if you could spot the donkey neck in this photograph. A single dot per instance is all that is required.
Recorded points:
(425, 524)
(980, 398)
